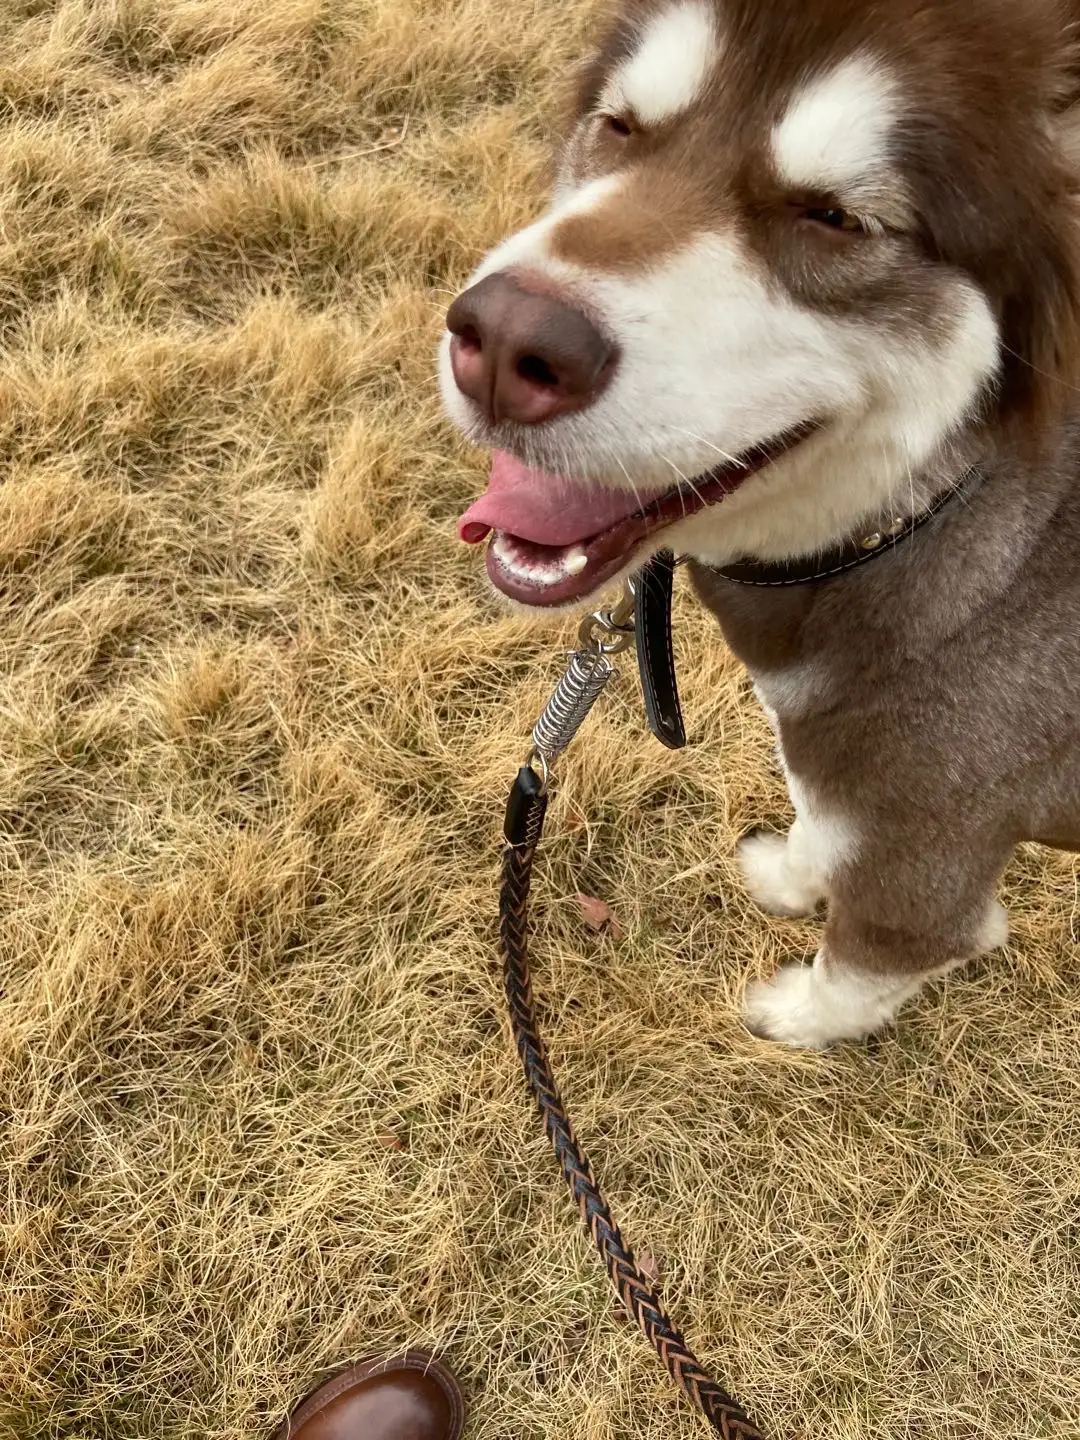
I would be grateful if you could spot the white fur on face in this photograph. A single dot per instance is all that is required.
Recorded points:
(835, 134)
(667, 72)
(712, 360)
(715, 360)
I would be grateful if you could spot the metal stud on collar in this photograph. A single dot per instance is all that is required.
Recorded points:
(878, 538)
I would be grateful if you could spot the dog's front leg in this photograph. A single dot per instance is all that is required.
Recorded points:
(789, 874)
(815, 1006)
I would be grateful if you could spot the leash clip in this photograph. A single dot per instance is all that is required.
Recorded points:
(642, 617)
(610, 632)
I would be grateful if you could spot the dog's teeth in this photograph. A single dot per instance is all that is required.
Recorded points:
(527, 567)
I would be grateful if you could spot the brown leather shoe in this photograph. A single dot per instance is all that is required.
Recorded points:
(397, 1397)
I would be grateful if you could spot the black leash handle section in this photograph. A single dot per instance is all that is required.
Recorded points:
(524, 825)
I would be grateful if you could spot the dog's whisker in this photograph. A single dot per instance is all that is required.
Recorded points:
(684, 481)
(633, 487)
(724, 455)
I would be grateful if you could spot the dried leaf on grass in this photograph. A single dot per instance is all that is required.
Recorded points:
(598, 915)
(649, 1266)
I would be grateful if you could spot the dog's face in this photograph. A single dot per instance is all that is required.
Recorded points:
(796, 249)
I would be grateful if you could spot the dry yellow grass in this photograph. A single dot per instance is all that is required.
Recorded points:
(257, 717)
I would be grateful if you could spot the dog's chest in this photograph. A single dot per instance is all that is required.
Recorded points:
(825, 667)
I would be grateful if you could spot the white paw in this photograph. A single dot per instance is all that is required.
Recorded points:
(803, 1005)
(774, 882)
(783, 1009)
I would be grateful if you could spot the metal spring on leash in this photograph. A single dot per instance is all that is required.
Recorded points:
(606, 633)
(575, 695)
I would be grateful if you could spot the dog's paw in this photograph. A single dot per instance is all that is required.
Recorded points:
(813, 1008)
(784, 1009)
(773, 881)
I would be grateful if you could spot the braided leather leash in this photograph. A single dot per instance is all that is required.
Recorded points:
(588, 673)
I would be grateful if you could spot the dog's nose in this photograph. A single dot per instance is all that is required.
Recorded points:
(522, 356)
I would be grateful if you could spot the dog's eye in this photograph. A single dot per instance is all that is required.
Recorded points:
(617, 125)
(837, 220)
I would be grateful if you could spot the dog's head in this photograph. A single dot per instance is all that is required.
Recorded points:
(800, 252)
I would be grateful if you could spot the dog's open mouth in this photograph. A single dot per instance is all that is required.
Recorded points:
(555, 541)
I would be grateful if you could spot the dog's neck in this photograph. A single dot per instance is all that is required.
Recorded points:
(862, 547)
(839, 484)
(1008, 526)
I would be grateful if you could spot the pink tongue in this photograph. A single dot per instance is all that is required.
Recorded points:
(546, 509)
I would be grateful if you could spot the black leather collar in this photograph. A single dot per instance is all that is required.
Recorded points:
(652, 607)
(849, 554)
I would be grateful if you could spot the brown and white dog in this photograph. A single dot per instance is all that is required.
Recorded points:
(820, 259)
